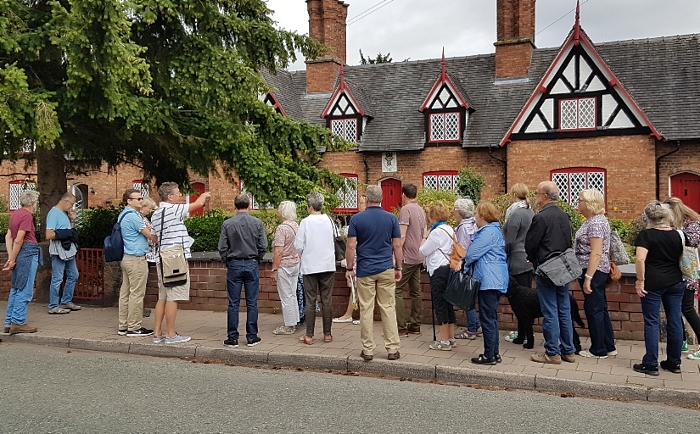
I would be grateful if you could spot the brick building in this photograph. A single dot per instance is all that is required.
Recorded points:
(623, 117)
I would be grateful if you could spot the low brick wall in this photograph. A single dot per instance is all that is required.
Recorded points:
(208, 293)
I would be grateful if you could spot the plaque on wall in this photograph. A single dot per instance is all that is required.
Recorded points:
(389, 162)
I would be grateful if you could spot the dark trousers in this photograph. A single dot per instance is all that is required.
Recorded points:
(488, 306)
(444, 312)
(315, 284)
(242, 273)
(690, 314)
(672, 298)
(595, 305)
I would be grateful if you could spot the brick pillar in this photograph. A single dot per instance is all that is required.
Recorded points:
(327, 25)
(515, 42)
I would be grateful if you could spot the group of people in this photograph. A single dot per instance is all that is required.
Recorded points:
(140, 238)
(384, 253)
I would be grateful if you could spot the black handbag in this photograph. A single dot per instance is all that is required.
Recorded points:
(462, 289)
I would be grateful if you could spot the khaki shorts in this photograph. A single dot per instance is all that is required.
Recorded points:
(173, 293)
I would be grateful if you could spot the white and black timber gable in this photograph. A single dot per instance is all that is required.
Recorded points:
(445, 109)
(343, 114)
(579, 95)
(271, 100)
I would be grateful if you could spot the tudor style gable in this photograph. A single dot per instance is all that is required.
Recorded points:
(579, 96)
(271, 100)
(343, 114)
(445, 109)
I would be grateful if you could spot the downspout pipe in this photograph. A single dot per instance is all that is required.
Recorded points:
(364, 161)
(505, 168)
(658, 167)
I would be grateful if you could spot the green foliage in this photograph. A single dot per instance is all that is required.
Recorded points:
(3, 204)
(4, 224)
(95, 224)
(381, 58)
(470, 184)
(575, 216)
(636, 226)
(622, 227)
(171, 87)
(206, 229)
(428, 196)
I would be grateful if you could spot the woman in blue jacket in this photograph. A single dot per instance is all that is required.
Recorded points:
(487, 257)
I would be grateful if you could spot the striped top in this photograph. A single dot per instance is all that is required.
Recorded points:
(174, 230)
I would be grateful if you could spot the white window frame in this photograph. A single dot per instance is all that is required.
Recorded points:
(348, 195)
(440, 134)
(345, 128)
(571, 181)
(577, 102)
(441, 180)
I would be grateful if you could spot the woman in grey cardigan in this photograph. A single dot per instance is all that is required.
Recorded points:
(517, 222)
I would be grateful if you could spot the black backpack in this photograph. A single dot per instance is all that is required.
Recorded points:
(114, 243)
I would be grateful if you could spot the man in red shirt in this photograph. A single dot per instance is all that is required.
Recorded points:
(24, 256)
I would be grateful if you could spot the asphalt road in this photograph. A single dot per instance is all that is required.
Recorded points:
(54, 390)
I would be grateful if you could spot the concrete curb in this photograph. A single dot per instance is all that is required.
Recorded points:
(381, 366)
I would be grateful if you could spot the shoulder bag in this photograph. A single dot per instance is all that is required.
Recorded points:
(462, 289)
(173, 263)
(458, 252)
(689, 261)
(561, 269)
(339, 242)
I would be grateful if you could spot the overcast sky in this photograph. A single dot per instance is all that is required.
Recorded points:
(418, 29)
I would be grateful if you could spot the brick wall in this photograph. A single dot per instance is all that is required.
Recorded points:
(629, 161)
(412, 165)
(685, 159)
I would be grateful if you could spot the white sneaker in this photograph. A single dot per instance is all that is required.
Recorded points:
(612, 353)
(590, 355)
(177, 339)
(510, 337)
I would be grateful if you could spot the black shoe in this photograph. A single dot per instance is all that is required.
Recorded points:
(483, 360)
(139, 333)
(366, 357)
(394, 356)
(231, 343)
(253, 342)
(645, 369)
(498, 358)
(414, 328)
(668, 366)
(121, 332)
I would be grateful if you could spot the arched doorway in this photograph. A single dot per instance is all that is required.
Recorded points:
(686, 187)
(199, 187)
(391, 194)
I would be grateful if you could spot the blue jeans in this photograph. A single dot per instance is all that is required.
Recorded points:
(556, 325)
(473, 323)
(58, 267)
(595, 305)
(242, 273)
(18, 302)
(488, 305)
(672, 298)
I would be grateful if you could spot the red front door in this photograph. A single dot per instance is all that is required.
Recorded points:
(199, 188)
(686, 187)
(391, 194)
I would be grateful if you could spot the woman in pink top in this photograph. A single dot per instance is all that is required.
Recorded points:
(285, 267)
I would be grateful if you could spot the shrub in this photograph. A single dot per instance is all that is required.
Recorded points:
(206, 229)
(635, 227)
(428, 196)
(470, 184)
(4, 224)
(95, 224)
(620, 226)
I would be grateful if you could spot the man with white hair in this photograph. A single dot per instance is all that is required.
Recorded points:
(376, 236)
(549, 235)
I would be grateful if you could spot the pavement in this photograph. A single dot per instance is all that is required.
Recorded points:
(95, 329)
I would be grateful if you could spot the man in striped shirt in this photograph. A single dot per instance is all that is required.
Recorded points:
(169, 227)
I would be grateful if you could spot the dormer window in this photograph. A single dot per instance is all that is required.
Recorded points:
(577, 114)
(445, 109)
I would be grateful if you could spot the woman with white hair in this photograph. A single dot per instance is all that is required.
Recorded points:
(660, 281)
(464, 213)
(285, 266)
(24, 256)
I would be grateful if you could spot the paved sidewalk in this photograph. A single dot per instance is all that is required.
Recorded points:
(96, 329)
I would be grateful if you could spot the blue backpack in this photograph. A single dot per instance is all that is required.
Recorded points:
(114, 243)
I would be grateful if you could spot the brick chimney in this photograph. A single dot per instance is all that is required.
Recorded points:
(516, 37)
(327, 23)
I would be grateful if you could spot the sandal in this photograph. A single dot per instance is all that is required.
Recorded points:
(327, 338)
(308, 340)
(465, 335)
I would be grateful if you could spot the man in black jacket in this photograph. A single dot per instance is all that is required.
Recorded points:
(548, 236)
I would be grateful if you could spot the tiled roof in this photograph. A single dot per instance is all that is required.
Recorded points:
(661, 74)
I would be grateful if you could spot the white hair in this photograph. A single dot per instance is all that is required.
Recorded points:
(288, 210)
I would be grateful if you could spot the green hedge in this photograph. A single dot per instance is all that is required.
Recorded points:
(4, 224)
(206, 229)
(95, 224)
